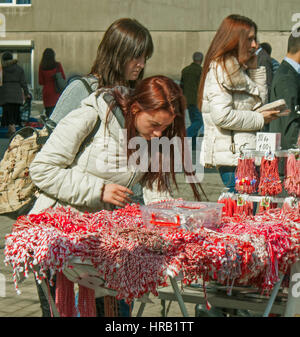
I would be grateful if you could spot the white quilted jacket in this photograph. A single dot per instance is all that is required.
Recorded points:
(67, 177)
(228, 111)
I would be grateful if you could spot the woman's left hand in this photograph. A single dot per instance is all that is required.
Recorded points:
(116, 194)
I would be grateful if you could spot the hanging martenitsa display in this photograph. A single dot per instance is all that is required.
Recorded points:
(246, 176)
(292, 179)
(269, 183)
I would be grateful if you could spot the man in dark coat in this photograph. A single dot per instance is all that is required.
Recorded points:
(190, 79)
(12, 92)
(264, 59)
(286, 85)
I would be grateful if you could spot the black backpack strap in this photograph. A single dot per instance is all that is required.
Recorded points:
(115, 110)
(86, 84)
(98, 122)
(49, 123)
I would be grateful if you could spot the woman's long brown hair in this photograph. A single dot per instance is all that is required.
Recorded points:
(153, 94)
(124, 40)
(229, 41)
(48, 61)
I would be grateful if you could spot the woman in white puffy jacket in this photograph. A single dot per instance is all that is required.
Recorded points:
(231, 89)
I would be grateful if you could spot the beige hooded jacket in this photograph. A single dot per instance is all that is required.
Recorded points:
(68, 177)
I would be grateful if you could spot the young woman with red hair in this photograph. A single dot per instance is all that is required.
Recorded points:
(98, 177)
(231, 89)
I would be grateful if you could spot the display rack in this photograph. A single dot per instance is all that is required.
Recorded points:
(259, 198)
(278, 153)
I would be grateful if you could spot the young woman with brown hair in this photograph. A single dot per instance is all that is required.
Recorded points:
(121, 58)
(231, 89)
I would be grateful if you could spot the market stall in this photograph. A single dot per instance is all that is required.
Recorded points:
(132, 252)
(129, 260)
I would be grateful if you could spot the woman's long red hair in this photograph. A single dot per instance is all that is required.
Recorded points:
(230, 40)
(153, 94)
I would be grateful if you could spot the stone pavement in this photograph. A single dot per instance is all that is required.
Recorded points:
(27, 304)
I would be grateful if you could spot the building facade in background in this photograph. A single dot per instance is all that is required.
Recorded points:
(74, 28)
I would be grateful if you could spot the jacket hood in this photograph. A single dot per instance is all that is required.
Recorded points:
(8, 63)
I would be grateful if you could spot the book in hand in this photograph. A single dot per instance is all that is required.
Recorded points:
(279, 105)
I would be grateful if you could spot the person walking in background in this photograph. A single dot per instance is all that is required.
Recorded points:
(286, 85)
(231, 88)
(268, 48)
(48, 68)
(12, 92)
(264, 60)
(190, 79)
(120, 61)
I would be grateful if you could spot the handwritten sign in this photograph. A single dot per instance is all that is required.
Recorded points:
(267, 141)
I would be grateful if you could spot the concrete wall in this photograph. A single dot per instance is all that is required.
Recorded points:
(74, 28)
(158, 15)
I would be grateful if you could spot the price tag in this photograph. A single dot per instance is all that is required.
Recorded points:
(240, 201)
(265, 202)
(268, 141)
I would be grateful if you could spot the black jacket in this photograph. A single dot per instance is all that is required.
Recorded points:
(190, 79)
(286, 84)
(263, 59)
(13, 83)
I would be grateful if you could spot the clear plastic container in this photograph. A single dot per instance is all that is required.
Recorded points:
(181, 214)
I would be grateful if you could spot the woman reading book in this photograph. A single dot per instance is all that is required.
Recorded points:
(230, 91)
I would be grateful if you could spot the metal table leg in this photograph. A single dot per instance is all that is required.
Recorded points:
(273, 296)
(163, 308)
(179, 297)
(49, 298)
(142, 307)
(141, 310)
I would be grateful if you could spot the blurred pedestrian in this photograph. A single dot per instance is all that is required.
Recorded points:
(190, 79)
(264, 60)
(12, 92)
(48, 68)
(286, 85)
(268, 48)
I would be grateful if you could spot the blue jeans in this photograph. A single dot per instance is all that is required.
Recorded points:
(228, 177)
(196, 123)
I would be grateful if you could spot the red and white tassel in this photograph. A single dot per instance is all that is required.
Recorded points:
(292, 180)
(269, 183)
(65, 296)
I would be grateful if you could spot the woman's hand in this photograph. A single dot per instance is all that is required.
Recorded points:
(270, 115)
(116, 194)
